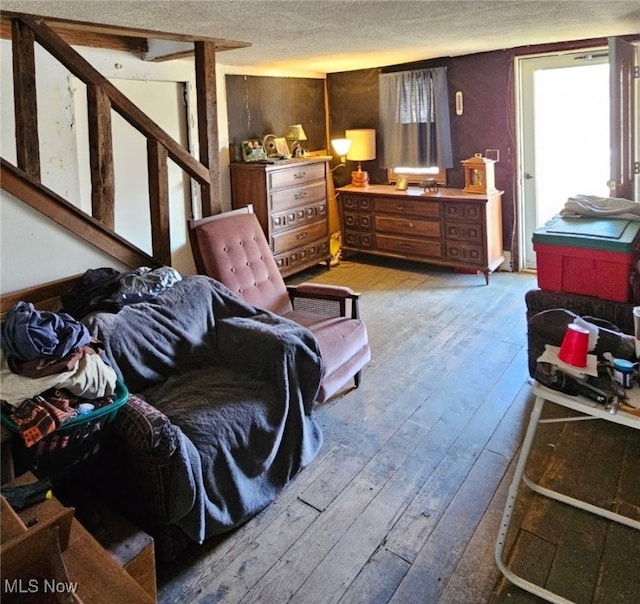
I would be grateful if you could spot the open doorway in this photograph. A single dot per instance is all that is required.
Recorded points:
(564, 135)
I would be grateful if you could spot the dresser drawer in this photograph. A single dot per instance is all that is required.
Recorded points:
(465, 252)
(408, 226)
(357, 220)
(296, 196)
(298, 216)
(293, 260)
(410, 247)
(428, 209)
(463, 211)
(359, 239)
(293, 238)
(356, 202)
(296, 175)
(464, 231)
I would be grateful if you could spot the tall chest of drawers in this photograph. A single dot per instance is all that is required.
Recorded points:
(289, 198)
(448, 227)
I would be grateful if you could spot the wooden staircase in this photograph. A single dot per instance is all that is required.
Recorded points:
(23, 180)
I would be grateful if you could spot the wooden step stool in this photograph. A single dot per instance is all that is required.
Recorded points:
(131, 547)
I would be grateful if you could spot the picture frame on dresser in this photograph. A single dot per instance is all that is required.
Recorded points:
(282, 149)
(252, 150)
(402, 182)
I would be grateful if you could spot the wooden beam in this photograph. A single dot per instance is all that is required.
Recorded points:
(205, 67)
(25, 99)
(101, 157)
(138, 46)
(84, 33)
(44, 297)
(19, 184)
(159, 201)
(79, 67)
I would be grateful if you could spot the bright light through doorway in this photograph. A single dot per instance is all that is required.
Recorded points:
(571, 117)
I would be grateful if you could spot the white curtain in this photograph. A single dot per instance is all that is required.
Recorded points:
(414, 119)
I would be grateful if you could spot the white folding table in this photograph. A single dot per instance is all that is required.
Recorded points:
(589, 410)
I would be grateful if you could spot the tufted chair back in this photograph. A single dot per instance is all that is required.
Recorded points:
(233, 249)
(235, 252)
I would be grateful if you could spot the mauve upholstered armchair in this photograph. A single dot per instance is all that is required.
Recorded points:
(232, 248)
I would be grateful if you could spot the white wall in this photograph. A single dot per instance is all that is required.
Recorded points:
(34, 249)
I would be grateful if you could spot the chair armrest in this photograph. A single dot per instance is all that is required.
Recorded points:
(142, 447)
(322, 290)
(146, 430)
(336, 294)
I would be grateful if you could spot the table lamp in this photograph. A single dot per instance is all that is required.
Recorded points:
(296, 134)
(363, 148)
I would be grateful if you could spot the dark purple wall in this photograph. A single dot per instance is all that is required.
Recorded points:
(259, 105)
(488, 122)
(486, 82)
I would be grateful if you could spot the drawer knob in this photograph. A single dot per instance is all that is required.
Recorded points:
(299, 175)
(300, 195)
(302, 235)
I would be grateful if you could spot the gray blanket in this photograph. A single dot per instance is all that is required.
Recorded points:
(239, 383)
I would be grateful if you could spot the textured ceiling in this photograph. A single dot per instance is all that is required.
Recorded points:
(339, 35)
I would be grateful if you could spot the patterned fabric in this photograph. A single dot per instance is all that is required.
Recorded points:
(144, 441)
(145, 428)
(41, 415)
(31, 420)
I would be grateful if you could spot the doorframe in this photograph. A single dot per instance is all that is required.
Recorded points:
(519, 142)
(519, 176)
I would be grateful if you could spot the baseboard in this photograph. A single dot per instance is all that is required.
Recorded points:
(506, 266)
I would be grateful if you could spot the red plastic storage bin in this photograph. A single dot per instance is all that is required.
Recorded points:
(589, 256)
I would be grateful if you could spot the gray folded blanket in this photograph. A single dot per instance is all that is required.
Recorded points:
(601, 207)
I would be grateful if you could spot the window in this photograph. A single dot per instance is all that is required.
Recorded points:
(415, 175)
(415, 125)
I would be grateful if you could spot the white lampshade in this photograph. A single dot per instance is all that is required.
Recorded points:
(341, 146)
(363, 144)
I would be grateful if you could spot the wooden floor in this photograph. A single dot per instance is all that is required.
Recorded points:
(404, 500)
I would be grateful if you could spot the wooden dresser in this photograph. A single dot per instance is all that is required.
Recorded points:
(289, 198)
(448, 227)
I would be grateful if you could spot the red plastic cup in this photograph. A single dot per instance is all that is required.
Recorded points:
(575, 345)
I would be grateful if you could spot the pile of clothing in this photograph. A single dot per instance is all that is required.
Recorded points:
(109, 290)
(51, 370)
